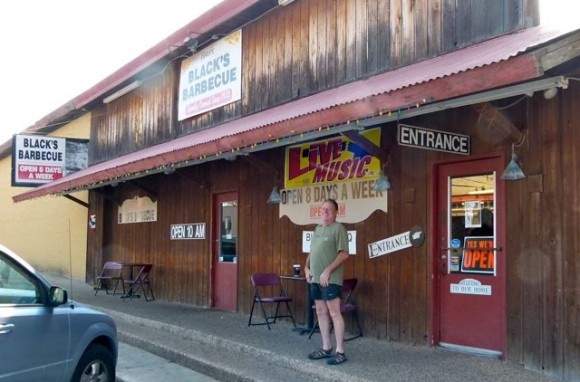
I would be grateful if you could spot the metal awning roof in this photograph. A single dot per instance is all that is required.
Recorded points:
(495, 63)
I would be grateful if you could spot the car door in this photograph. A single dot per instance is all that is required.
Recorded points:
(34, 338)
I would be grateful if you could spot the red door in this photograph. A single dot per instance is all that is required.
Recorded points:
(224, 252)
(469, 262)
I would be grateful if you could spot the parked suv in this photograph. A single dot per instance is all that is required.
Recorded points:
(46, 337)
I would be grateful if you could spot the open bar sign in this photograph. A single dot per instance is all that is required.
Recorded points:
(187, 231)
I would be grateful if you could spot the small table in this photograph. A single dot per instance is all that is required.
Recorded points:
(131, 267)
(309, 302)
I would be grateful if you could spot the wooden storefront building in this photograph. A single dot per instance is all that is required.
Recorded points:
(328, 97)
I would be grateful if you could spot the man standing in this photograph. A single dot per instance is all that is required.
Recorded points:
(324, 270)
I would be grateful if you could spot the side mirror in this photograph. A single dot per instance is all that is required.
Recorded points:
(57, 296)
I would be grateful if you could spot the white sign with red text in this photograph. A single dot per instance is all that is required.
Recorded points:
(38, 159)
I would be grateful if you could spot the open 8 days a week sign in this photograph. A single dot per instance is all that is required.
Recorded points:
(335, 168)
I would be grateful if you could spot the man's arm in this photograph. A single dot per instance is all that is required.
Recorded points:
(307, 272)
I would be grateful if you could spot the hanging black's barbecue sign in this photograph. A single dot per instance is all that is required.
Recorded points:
(42, 159)
(433, 139)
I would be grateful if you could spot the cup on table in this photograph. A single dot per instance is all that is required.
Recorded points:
(296, 270)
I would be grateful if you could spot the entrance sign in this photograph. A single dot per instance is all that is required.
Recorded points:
(470, 286)
(433, 139)
(190, 231)
(390, 245)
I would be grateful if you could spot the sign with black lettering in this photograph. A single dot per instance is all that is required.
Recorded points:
(478, 255)
(40, 159)
(190, 231)
(307, 241)
(390, 245)
(433, 139)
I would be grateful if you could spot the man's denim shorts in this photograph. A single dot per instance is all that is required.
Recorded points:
(328, 293)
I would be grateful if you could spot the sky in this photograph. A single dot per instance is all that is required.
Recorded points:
(54, 50)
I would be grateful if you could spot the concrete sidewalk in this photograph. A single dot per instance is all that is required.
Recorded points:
(137, 365)
(221, 345)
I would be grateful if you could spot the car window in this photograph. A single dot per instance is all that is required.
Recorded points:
(16, 287)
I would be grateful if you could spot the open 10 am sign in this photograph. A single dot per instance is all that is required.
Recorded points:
(189, 231)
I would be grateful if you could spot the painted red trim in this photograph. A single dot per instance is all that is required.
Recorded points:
(500, 210)
(309, 114)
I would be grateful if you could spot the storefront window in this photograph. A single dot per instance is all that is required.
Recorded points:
(228, 237)
(472, 224)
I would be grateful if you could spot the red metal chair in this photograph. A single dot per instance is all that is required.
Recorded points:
(347, 306)
(269, 290)
(140, 283)
(112, 272)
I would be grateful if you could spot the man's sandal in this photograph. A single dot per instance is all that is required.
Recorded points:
(337, 359)
(320, 353)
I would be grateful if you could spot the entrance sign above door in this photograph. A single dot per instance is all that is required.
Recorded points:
(433, 139)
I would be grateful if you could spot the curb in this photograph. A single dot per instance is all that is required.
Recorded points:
(219, 370)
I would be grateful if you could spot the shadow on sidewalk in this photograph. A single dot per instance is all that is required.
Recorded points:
(185, 332)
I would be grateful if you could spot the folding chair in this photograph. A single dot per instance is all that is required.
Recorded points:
(269, 290)
(140, 283)
(347, 305)
(112, 272)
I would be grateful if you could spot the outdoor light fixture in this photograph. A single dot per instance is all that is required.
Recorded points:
(121, 92)
(550, 93)
(383, 183)
(513, 171)
(275, 197)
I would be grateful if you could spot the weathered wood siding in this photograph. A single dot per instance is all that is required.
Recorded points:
(543, 291)
(313, 45)
(301, 49)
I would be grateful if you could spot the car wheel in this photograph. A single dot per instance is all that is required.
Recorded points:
(96, 364)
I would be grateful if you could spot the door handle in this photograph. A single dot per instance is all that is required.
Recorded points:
(6, 328)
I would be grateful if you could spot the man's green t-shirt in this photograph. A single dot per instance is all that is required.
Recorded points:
(327, 241)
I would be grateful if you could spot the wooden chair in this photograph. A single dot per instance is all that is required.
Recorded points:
(112, 272)
(269, 290)
(347, 306)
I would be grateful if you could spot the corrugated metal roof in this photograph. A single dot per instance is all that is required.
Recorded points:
(206, 23)
(354, 100)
